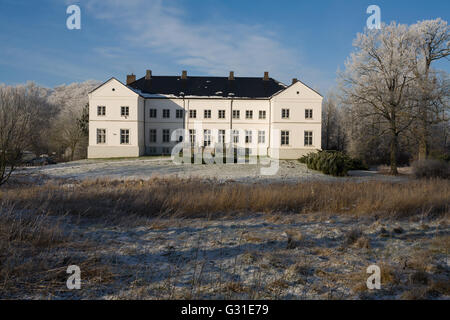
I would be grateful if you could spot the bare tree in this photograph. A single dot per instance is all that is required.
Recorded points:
(17, 105)
(68, 133)
(377, 79)
(333, 133)
(44, 116)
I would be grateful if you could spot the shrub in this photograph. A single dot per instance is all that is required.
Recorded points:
(431, 169)
(332, 162)
(356, 164)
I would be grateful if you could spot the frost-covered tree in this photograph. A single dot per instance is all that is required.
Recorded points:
(432, 43)
(377, 81)
(69, 132)
(20, 110)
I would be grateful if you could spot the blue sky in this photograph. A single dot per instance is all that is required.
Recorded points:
(308, 40)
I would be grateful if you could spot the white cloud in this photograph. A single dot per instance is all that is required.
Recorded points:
(212, 47)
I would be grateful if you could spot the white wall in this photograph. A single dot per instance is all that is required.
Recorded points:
(113, 95)
(296, 98)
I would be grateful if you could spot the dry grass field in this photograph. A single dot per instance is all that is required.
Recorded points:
(195, 238)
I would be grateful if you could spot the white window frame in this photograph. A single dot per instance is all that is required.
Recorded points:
(248, 114)
(206, 137)
(153, 113)
(284, 138)
(101, 111)
(166, 113)
(221, 114)
(153, 135)
(236, 114)
(284, 113)
(248, 136)
(165, 135)
(193, 114)
(221, 135)
(125, 133)
(261, 136)
(308, 113)
(179, 114)
(308, 138)
(207, 114)
(235, 136)
(101, 136)
(192, 136)
(262, 114)
(124, 111)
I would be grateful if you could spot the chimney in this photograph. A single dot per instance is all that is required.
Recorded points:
(184, 74)
(231, 76)
(148, 74)
(266, 75)
(294, 80)
(130, 78)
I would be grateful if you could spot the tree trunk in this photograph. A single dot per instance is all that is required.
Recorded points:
(394, 152)
(423, 148)
(423, 139)
(72, 153)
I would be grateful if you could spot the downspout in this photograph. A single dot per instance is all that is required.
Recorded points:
(184, 115)
(231, 114)
(145, 140)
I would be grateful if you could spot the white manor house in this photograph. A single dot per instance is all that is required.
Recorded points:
(152, 115)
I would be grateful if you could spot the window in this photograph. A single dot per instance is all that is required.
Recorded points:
(207, 114)
(166, 113)
(308, 138)
(235, 136)
(284, 138)
(248, 136)
(124, 136)
(236, 114)
(221, 114)
(206, 137)
(101, 110)
(262, 114)
(261, 137)
(152, 113)
(101, 136)
(249, 114)
(166, 135)
(124, 111)
(192, 135)
(308, 113)
(165, 150)
(192, 113)
(285, 113)
(152, 135)
(221, 136)
(179, 114)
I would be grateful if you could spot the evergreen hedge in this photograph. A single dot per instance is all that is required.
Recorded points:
(334, 163)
